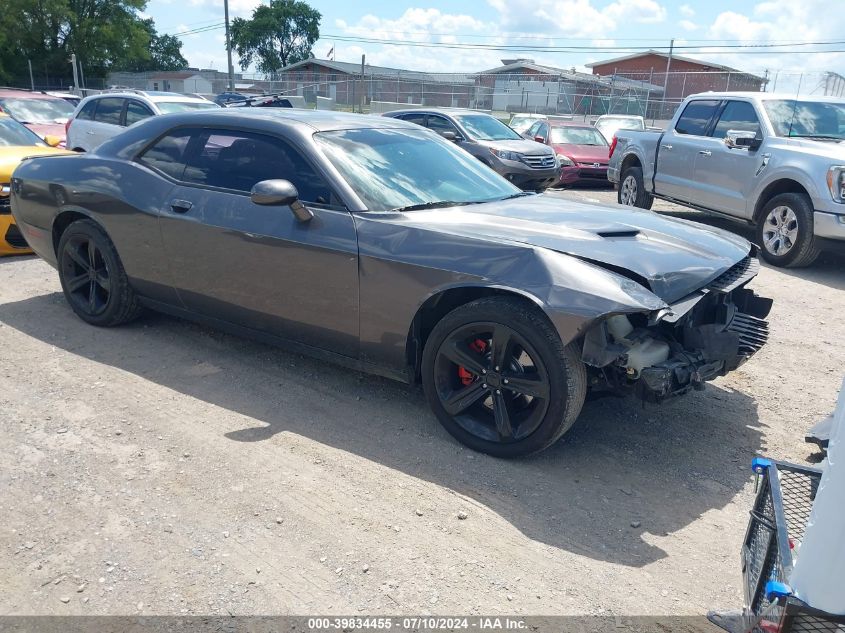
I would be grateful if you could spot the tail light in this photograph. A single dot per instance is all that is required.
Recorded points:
(69, 119)
(612, 146)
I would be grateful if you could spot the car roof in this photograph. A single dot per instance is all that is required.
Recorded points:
(153, 96)
(581, 124)
(19, 93)
(785, 96)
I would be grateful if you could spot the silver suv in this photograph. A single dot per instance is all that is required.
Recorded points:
(99, 117)
(527, 164)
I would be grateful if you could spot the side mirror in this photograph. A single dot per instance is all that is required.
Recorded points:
(269, 193)
(742, 139)
(540, 139)
(52, 141)
(449, 135)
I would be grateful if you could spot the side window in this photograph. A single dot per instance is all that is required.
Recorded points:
(696, 117)
(440, 124)
(238, 160)
(108, 111)
(543, 130)
(167, 155)
(87, 111)
(136, 111)
(534, 129)
(419, 119)
(737, 115)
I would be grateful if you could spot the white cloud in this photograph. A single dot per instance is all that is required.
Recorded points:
(686, 10)
(688, 25)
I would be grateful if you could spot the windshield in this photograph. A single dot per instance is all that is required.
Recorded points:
(577, 136)
(521, 123)
(37, 110)
(394, 168)
(611, 124)
(817, 119)
(483, 127)
(169, 107)
(13, 134)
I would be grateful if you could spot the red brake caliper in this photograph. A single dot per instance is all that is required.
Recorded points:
(464, 374)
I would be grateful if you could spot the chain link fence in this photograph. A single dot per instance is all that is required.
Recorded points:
(652, 95)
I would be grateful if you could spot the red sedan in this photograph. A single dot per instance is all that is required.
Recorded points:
(581, 150)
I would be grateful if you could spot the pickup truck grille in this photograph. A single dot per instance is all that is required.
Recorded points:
(539, 161)
(736, 275)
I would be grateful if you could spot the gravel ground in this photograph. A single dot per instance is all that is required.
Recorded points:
(165, 468)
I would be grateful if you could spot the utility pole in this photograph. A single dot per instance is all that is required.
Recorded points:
(75, 74)
(363, 93)
(231, 70)
(668, 68)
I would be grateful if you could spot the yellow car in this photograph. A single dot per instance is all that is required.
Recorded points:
(16, 143)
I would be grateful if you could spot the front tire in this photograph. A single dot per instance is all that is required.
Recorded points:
(92, 276)
(785, 231)
(631, 192)
(499, 379)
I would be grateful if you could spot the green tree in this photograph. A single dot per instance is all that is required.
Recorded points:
(164, 52)
(277, 35)
(103, 34)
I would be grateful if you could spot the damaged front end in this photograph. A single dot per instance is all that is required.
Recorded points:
(666, 353)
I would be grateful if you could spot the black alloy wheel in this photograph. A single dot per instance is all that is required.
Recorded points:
(499, 379)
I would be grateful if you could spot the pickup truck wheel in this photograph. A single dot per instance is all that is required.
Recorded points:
(500, 380)
(785, 231)
(632, 191)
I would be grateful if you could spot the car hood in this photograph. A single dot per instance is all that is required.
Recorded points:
(48, 129)
(675, 257)
(523, 146)
(10, 157)
(584, 153)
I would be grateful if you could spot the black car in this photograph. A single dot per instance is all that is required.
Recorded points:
(383, 247)
(227, 97)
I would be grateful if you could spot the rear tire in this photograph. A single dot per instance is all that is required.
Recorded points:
(92, 276)
(785, 231)
(631, 191)
(515, 390)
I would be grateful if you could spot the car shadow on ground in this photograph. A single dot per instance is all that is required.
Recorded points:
(623, 477)
(828, 269)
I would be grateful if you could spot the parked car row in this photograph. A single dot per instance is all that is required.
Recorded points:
(380, 245)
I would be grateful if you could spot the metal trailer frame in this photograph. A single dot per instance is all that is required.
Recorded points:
(785, 495)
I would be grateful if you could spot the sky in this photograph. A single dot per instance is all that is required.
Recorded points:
(598, 28)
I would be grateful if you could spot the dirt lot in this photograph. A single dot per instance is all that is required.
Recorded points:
(167, 468)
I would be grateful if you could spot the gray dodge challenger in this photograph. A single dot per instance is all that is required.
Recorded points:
(376, 244)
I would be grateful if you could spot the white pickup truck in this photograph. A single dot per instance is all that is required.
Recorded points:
(774, 161)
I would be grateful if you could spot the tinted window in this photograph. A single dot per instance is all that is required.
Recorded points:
(696, 117)
(87, 111)
(439, 124)
(108, 111)
(136, 111)
(419, 119)
(168, 154)
(737, 115)
(238, 160)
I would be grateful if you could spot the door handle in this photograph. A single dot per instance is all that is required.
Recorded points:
(705, 152)
(666, 146)
(181, 206)
(89, 132)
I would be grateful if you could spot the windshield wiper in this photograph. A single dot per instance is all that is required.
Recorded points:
(521, 194)
(434, 204)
